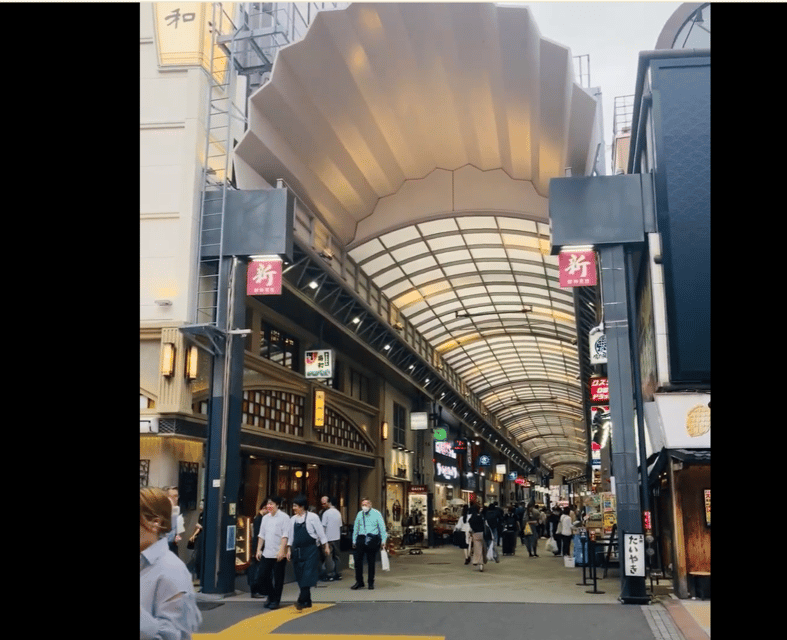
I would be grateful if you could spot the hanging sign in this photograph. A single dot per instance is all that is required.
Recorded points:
(597, 340)
(263, 277)
(319, 364)
(577, 268)
(599, 390)
(419, 421)
(484, 461)
(460, 445)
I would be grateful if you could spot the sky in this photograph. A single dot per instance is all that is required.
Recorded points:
(612, 34)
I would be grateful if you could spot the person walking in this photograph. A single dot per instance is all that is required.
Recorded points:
(463, 526)
(272, 552)
(305, 530)
(531, 530)
(197, 543)
(178, 526)
(477, 526)
(332, 523)
(511, 530)
(167, 603)
(565, 532)
(369, 535)
(490, 545)
(553, 522)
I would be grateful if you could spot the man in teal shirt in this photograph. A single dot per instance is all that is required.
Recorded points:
(368, 536)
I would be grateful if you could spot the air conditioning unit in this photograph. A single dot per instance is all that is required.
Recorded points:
(148, 425)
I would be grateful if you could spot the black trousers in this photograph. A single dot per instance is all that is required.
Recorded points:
(360, 552)
(272, 578)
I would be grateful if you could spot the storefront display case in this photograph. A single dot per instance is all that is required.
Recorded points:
(415, 522)
(243, 543)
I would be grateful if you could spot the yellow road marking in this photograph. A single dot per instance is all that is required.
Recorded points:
(261, 626)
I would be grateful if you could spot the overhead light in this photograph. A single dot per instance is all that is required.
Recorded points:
(386, 347)
(384, 431)
(313, 284)
(356, 320)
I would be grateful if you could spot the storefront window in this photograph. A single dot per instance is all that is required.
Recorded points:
(399, 421)
(277, 346)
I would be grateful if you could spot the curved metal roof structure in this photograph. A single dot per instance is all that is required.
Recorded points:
(424, 137)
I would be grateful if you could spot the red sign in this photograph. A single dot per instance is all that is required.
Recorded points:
(577, 268)
(648, 523)
(599, 390)
(521, 481)
(264, 277)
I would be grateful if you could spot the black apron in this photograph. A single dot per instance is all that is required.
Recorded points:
(305, 557)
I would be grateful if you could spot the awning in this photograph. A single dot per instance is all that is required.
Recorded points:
(657, 463)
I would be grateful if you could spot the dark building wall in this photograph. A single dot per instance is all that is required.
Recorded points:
(681, 136)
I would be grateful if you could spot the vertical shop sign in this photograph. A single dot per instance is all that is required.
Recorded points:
(635, 554)
(319, 409)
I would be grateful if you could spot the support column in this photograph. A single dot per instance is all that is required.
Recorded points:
(621, 406)
(223, 445)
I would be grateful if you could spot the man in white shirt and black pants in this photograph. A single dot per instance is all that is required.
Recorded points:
(332, 523)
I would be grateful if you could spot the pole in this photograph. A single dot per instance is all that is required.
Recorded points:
(621, 393)
(633, 337)
(223, 443)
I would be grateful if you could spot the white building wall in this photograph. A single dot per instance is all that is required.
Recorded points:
(172, 108)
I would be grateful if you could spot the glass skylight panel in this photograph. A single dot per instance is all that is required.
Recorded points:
(477, 222)
(400, 236)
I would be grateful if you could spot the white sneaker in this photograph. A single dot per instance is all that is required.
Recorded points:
(480, 567)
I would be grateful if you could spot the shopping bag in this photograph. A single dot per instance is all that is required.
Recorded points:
(490, 554)
(384, 560)
(552, 545)
(351, 564)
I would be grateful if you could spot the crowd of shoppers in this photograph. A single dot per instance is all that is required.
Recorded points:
(311, 543)
(488, 527)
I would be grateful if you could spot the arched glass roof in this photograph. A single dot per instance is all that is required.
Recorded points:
(424, 136)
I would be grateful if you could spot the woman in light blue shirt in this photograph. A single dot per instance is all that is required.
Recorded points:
(167, 604)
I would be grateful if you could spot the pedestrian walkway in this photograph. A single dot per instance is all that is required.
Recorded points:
(440, 575)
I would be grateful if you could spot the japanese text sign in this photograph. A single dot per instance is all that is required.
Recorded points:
(319, 364)
(634, 554)
(577, 268)
(599, 390)
(264, 277)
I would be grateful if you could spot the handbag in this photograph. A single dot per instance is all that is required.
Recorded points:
(528, 530)
(386, 565)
